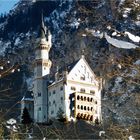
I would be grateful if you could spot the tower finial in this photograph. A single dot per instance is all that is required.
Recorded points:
(83, 53)
(42, 28)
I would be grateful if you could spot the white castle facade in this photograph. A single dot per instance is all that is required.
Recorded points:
(75, 91)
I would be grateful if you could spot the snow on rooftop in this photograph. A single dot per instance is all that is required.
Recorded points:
(133, 37)
(119, 43)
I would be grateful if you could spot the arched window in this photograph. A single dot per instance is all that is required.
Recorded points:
(84, 107)
(88, 99)
(78, 97)
(91, 118)
(91, 108)
(78, 106)
(84, 98)
(91, 99)
(81, 107)
(95, 102)
(88, 108)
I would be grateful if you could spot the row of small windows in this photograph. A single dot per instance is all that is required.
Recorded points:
(84, 116)
(85, 108)
(82, 90)
(85, 99)
(61, 88)
(55, 102)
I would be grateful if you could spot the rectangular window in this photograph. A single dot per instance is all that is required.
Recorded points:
(82, 90)
(39, 94)
(54, 92)
(82, 78)
(61, 100)
(61, 88)
(92, 91)
(39, 108)
(73, 88)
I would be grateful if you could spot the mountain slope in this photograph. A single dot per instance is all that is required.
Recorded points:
(69, 22)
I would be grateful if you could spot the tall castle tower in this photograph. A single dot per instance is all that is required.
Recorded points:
(42, 67)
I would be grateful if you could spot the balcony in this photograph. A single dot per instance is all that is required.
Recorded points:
(84, 106)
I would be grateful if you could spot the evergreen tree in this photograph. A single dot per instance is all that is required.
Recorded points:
(26, 119)
(60, 115)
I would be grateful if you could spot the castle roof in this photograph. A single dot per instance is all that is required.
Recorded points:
(42, 30)
(68, 67)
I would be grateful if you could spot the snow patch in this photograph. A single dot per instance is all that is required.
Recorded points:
(137, 62)
(119, 43)
(17, 41)
(101, 132)
(131, 138)
(95, 33)
(109, 27)
(133, 37)
(84, 35)
(114, 33)
(75, 24)
(11, 121)
(126, 12)
(4, 46)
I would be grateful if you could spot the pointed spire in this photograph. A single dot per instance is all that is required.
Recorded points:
(42, 28)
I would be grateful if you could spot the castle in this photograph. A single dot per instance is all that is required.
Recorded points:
(74, 92)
